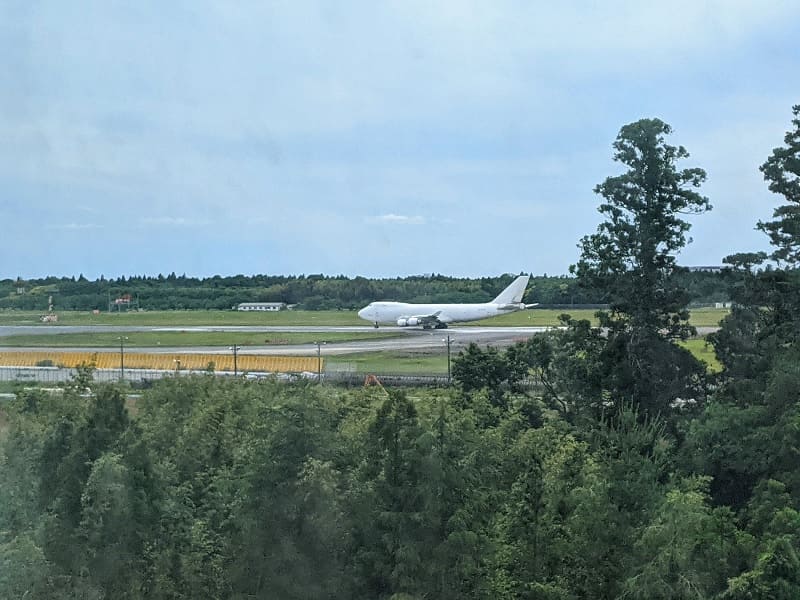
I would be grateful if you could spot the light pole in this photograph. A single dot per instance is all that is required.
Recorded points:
(235, 350)
(122, 339)
(319, 361)
(447, 341)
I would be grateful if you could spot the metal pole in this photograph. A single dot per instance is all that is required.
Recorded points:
(319, 363)
(448, 359)
(122, 358)
(235, 349)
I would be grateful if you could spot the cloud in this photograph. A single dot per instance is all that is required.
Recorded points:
(174, 222)
(294, 126)
(392, 219)
(74, 226)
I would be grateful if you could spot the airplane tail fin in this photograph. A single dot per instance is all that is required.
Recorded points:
(514, 292)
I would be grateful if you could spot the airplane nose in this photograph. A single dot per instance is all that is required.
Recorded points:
(363, 313)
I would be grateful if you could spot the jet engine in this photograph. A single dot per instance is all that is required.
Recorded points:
(405, 321)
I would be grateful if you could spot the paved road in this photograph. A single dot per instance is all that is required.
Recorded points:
(408, 338)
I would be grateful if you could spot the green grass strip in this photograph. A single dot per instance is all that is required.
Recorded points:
(151, 339)
(704, 317)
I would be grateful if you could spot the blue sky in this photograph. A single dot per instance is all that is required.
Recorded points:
(370, 138)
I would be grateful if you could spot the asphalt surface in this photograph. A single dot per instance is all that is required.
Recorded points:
(409, 339)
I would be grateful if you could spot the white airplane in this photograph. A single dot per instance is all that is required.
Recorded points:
(437, 316)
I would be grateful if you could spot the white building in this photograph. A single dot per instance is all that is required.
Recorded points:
(261, 306)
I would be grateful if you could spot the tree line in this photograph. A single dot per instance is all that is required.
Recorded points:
(631, 473)
(310, 292)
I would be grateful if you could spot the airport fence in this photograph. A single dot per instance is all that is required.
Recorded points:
(165, 361)
(406, 380)
(56, 375)
(64, 374)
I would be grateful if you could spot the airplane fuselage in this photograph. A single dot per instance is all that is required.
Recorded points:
(404, 314)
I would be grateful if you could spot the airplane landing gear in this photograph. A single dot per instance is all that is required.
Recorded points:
(375, 325)
(441, 325)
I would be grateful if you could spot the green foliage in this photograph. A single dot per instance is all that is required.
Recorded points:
(24, 570)
(312, 292)
(782, 170)
(631, 259)
(391, 556)
(776, 575)
(764, 323)
(749, 435)
(476, 368)
(687, 551)
(225, 488)
(638, 455)
(83, 378)
(567, 364)
(552, 538)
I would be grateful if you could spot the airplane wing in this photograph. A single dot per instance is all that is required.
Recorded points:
(427, 321)
(430, 320)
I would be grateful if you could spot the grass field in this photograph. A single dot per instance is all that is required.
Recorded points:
(701, 317)
(402, 363)
(153, 339)
(705, 352)
(704, 317)
(389, 363)
(168, 318)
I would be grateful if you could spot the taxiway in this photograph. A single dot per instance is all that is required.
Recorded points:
(408, 339)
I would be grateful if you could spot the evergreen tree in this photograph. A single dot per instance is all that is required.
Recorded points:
(688, 550)
(498, 372)
(782, 171)
(632, 261)
(391, 546)
(758, 347)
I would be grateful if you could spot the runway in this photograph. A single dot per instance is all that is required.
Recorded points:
(408, 339)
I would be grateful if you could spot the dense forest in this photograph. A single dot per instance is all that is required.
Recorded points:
(630, 472)
(310, 292)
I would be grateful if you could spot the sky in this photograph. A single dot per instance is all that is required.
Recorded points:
(369, 138)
